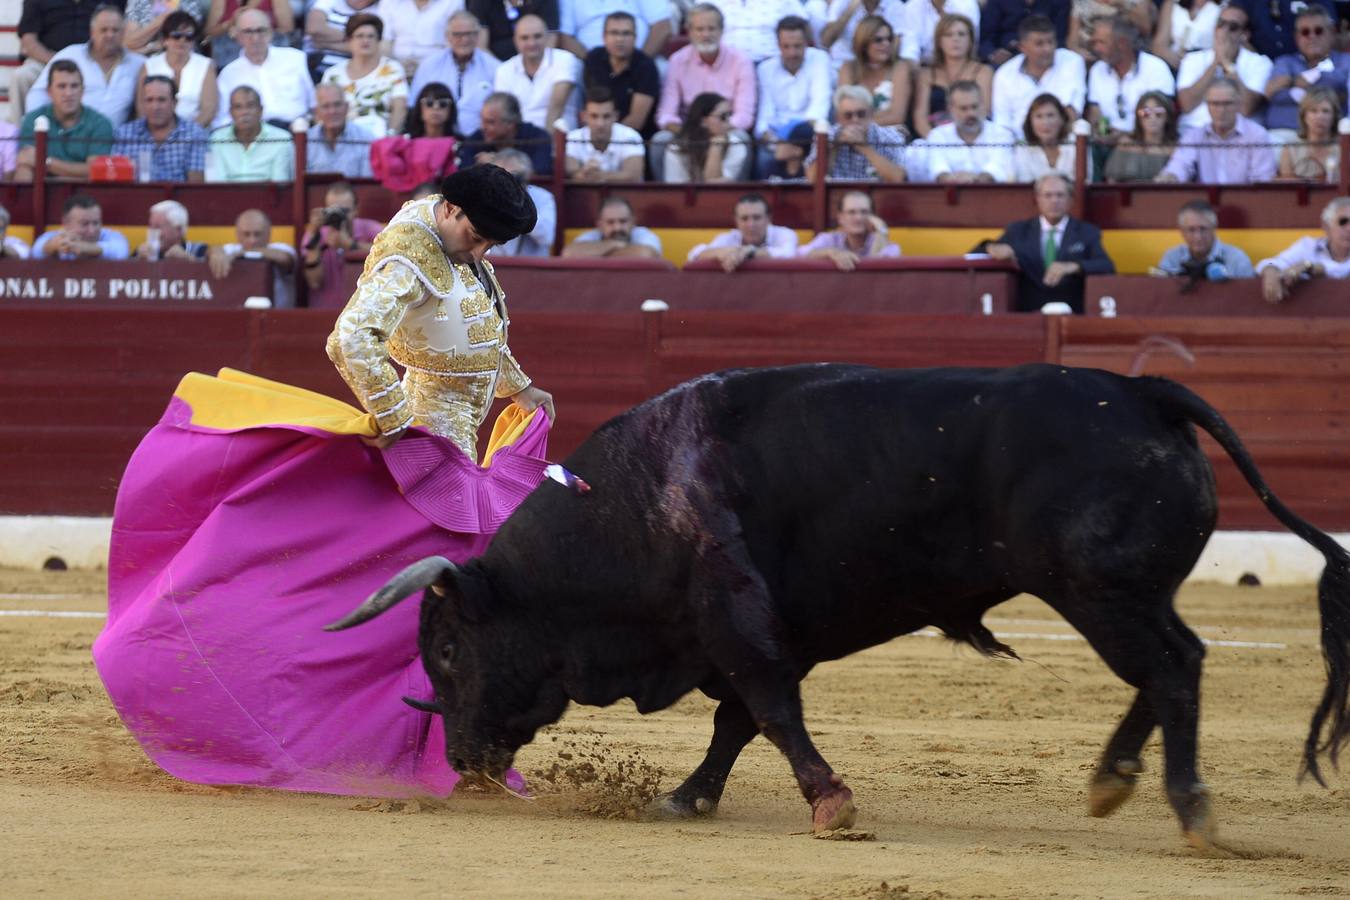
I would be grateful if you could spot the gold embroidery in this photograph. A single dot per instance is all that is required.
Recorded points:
(484, 362)
(407, 299)
(476, 304)
(485, 331)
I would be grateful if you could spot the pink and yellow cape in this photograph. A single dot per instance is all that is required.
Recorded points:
(248, 518)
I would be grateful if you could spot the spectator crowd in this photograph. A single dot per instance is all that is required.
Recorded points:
(674, 90)
(947, 91)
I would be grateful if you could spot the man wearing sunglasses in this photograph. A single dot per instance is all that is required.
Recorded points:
(1228, 59)
(860, 149)
(1273, 23)
(1309, 257)
(109, 71)
(1316, 64)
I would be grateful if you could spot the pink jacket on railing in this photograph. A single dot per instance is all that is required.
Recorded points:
(402, 163)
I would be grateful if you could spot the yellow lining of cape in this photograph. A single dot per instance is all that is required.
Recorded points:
(233, 400)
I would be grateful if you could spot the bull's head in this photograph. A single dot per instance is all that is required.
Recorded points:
(492, 683)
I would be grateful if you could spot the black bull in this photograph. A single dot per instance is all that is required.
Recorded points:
(747, 525)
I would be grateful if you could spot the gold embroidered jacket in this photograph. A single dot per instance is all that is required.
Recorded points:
(444, 322)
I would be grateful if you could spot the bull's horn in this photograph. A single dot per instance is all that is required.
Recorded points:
(417, 576)
(423, 705)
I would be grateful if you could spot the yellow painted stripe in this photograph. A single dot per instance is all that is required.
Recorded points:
(1133, 250)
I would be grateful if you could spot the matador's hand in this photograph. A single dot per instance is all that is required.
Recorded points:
(531, 398)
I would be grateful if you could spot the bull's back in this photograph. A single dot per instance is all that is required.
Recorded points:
(886, 497)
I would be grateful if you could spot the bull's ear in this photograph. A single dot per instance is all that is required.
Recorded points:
(468, 593)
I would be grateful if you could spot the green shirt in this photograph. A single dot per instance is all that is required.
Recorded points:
(271, 157)
(91, 135)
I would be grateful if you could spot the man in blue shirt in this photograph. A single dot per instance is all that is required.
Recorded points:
(466, 69)
(82, 235)
(1203, 255)
(173, 148)
(1273, 23)
(1316, 64)
(335, 144)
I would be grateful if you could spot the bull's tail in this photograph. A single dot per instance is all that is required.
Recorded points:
(1330, 728)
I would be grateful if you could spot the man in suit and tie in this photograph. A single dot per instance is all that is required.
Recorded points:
(1053, 252)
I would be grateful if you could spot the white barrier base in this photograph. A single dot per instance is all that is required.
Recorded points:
(1275, 557)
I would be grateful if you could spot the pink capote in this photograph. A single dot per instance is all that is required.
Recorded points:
(232, 548)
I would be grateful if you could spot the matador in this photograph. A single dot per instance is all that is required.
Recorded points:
(429, 301)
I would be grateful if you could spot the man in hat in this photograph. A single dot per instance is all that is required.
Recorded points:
(429, 301)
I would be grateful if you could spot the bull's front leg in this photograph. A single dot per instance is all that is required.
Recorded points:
(740, 631)
(778, 712)
(700, 793)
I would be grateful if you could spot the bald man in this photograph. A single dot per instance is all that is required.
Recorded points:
(280, 75)
(253, 240)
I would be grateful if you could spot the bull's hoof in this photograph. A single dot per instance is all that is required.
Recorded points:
(1112, 787)
(1197, 816)
(673, 806)
(833, 810)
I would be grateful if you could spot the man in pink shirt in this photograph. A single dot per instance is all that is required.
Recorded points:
(706, 64)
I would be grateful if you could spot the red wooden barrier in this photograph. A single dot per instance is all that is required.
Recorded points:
(79, 388)
(1141, 295)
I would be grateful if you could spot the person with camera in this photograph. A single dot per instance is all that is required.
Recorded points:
(1203, 257)
(334, 237)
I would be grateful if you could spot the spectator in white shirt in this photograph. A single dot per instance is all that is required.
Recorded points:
(1309, 257)
(539, 242)
(109, 71)
(918, 28)
(755, 235)
(1121, 75)
(794, 92)
(280, 75)
(581, 24)
(543, 78)
(415, 29)
(1041, 68)
(1227, 59)
(752, 24)
(969, 148)
(843, 16)
(604, 149)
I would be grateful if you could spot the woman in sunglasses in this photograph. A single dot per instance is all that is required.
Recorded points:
(145, 22)
(877, 66)
(376, 86)
(1142, 154)
(433, 115)
(193, 74)
(426, 150)
(1316, 155)
(707, 147)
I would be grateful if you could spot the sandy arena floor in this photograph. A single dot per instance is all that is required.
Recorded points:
(971, 773)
